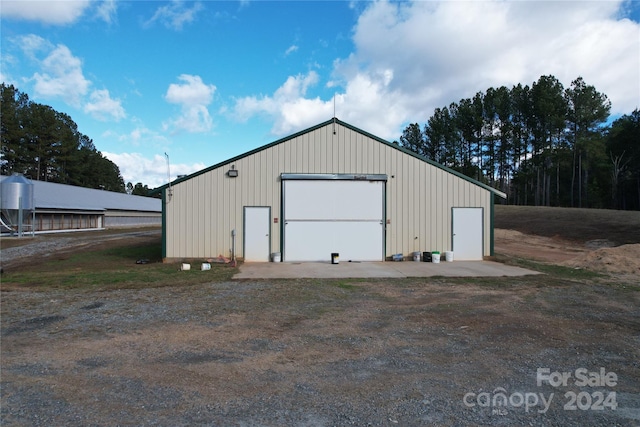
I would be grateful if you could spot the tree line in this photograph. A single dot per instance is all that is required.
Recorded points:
(542, 145)
(45, 145)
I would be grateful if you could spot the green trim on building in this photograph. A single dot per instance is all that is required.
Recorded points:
(164, 225)
(281, 221)
(491, 226)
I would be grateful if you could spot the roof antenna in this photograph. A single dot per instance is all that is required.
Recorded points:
(169, 191)
(334, 113)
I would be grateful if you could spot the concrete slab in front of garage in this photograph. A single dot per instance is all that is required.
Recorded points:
(326, 270)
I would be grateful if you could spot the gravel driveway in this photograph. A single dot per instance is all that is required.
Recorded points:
(378, 352)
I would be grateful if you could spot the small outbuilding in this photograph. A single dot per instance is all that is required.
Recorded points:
(330, 189)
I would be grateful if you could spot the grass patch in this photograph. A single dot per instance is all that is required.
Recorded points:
(625, 287)
(492, 282)
(557, 271)
(579, 225)
(152, 252)
(346, 285)
(108, 259)
(113, 268)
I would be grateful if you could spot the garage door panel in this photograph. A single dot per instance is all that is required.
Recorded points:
(326, 216)
(317, 240)
(329, 200)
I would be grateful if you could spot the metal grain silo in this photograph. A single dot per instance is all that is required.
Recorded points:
(16, 202)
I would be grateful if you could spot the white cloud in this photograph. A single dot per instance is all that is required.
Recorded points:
(288, 107)
(55, 12)
(107, 10)
(193, 91)
(369, 103)
(291, 110)
(290, 50)
(296, 86)
(440, 52)
(193, 96)
(135, 137)
(102, 106)
(175, 15)
(152, 172)
(140, 135)
(412, 57)
(62, 77)
(32, 45)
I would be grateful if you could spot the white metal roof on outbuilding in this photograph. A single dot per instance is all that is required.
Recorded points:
(49, 195)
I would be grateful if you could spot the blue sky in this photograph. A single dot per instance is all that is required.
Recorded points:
(205, 81)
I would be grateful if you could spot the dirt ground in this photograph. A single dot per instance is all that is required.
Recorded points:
(412, 352)
(598, 255)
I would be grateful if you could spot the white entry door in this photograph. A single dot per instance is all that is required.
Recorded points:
(257, 236)
(467, 234)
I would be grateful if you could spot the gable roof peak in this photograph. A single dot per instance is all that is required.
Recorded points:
(333, 121)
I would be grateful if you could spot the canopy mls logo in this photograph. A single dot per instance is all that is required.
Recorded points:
(599, 400)
(499, 402)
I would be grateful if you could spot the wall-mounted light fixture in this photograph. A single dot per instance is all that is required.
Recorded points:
(233, 172)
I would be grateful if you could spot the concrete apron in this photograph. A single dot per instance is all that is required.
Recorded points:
(326, 270)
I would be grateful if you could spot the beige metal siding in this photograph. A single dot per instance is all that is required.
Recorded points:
(419, 197)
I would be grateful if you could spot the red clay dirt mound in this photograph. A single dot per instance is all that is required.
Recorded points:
(601, 240)
(595, 255)
(623, 259)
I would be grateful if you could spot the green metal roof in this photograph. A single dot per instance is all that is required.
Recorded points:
(311, 129)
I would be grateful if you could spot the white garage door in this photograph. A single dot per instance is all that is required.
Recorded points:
(467, 234)
(322, 217)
